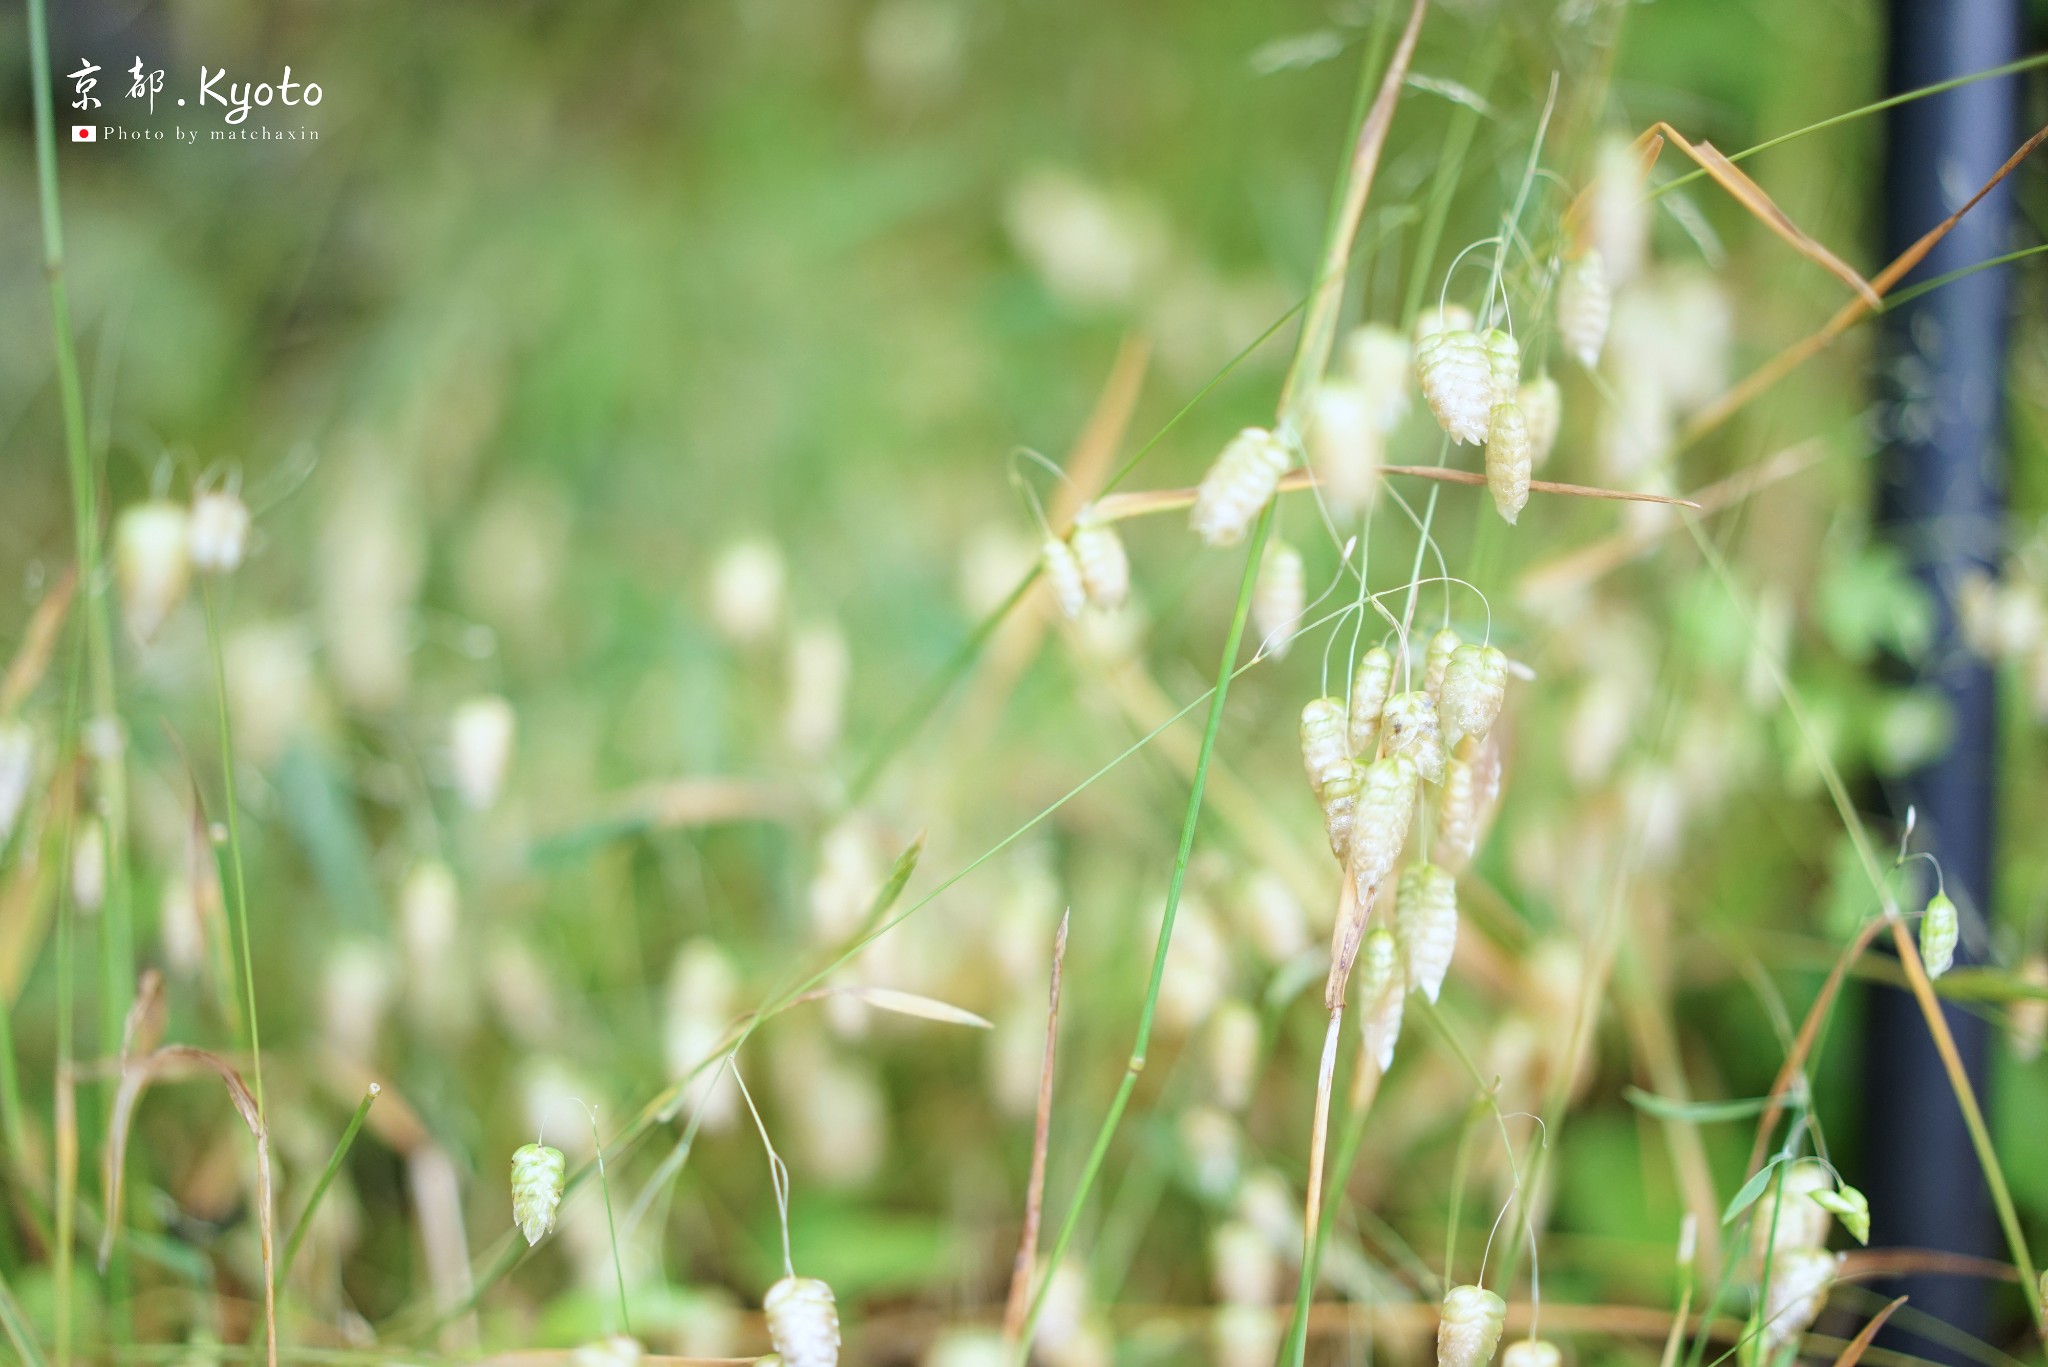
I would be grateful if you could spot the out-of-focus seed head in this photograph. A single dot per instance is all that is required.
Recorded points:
(538, 1173)
(1063, 574)
(1475, 685)
(1213, 1145)
(1583, 306)
(1247, 1270)
(1370, 684)
(1617, 216)
(1105, 568)
(1267, 913)
(1323, 743)
(803, 1322)
(1382, 991)
(1508, 460)
(1344, 446)
(1542, 405)
(1470, 1327)
(819, 662)
(1278, 598)
(1787, 1217)
(1850, 1206)
(1436, 658)
(1503, 364)
(152, 564)
(17, 772)
(615, 1350)
(1234, 1049)
(355, 992)
(89, 864)
(1385, 804)
(1409, 727)
(1532, 1353)
(746, 590)
(1457, 380)
(1800, 1278)
(1340, 797)
(1238, 486)
(1380, 361)
(480, 735)
(1426, 920)
(1457, 816)
(701, 997)
(1939, 929)
(219, 532)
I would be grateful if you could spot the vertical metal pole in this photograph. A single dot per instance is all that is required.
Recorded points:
(1941, 501)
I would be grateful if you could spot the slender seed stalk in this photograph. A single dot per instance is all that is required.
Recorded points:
(239, 911)
(334, 1162)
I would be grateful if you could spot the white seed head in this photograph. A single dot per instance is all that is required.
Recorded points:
(1583, 306)
(849, 873)
(1475, 684)
(1542, 405)
(746, 590)
(1800, 1278)
(616, 1350)
(1380, 361)
(1457, 380)
(1247, 1270)
(89, 865)
(1457, 816)
(1436, 658)
(1345, 448)
(701, 996)
(181, 928)
(480, 741)
(1278, 597)
(2027, 1019)
(1199, 966)
(17, 772)
(819, 662)
(1063, 574)
(1213, 1145)
(803, 1322)
(538, 1173)
(1503, 364)
(1470, 1329)
(1939, 928)
(1426, 920)
(1234, 1049)
(152, 564)
(1532, 1353)
(355, 992)
(219, 532)
(1340, 796)
(1386, 802)
(1323, 751)
(1786, 1217)
(1382, 991)
(1617, 213)
(965, 1348)
(1409, 728)
(1508, 460)
(1370, 684)
(1105, 568)
(1238, 486)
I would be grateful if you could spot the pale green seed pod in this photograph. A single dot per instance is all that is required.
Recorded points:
(1470, 1328)
(1409, 727)
(1800, 1278)
(1532, 1353)
(1278, 598)
(1238, 486)
(1063, 573)
(1788, 1216)
(1386, 801)
(1341, 793)
(152, 564)
(1939, 928)
(1370, 684)
(1850, 1206)
(1584, 305)
(1105, 569)
(1379, 360)
(1426, 920)
(1382, 989)
(1542, 405)
(1436, 658)
(1508, 460)
(1457, 381)
(1323, 750)
(1457, 816)
(1344, 447)
(803, 1322)
(538, 1173)
(1503, 365)
(1475, 684)
(218, 531)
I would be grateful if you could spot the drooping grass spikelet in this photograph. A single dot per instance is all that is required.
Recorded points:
(1470, 1327)
(1800, 1278)
(815, 707)
(1409, 728)
(1426, 920)
(1386, 801)
(1850, 1206)
(219, 531)
(1532, 1353)
(1370, 684)
(1382, 989)
(1542, 404)
(1436, 658)
(1475, 684)
(1340, 798)
(152, 564)
(480, 745)
(1379, 360)
(1939, 928)
(1238, 485)
(538, 1172)
(1503, 364)
(1787, 1216)
(803, 1322)
(1583, 306)
(747, 588)
(1457, 815)
(1344, 447)
(1508, 460)
(1105, 568)
(1278, 597)
(1323, 751)
(1063, 573)
(1457, 380)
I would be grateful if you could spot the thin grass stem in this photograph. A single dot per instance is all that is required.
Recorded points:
(327, 1174)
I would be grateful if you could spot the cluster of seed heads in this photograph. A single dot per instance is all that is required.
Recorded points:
(1788, 1242)
(1089, 567)
(1238, 486)
(803, 1322)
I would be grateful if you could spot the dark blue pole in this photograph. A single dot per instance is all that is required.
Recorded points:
(1941, 502)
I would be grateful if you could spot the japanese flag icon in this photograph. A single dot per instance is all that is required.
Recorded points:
(84, 132)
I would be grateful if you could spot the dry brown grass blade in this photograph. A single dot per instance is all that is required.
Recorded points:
(1751, 196)
(1019, 1303)
(1809, 1030)
(144, 1028)
(136, 1075)
(32, 658)
(1861, 1263)
(1854, 1352)
(1144, 502)
(1799, 353)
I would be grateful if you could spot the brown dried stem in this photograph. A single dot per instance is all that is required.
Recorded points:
(1143, 502)
(1041, 1136)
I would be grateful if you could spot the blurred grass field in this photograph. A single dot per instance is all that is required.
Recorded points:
(648, 366)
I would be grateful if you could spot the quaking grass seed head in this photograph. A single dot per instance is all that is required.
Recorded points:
(1323, 750)
(1503, 364)
(1379, 360)
(538, 1173)
(1542, 405)
(219, 531)
(1788, 1216)
(1382, 990)
(1426, 920)
(152, 564)
(1063, 574)
(1939, 929)
(1370, 684)
(1470, 1327)
(1340, 797)
(1457, 815)
(1457, 382)
(1278, 597)
(1532, 1353)
(1238, 486)
(1508, 460)
(1386, 801)
(1850, 1206)
(1583, 307)
(803, 1322)
(1436, 658)
(1409, 727)
(1800, 1278)
(1344, 446)
(1105, 568)
(1475, 685)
